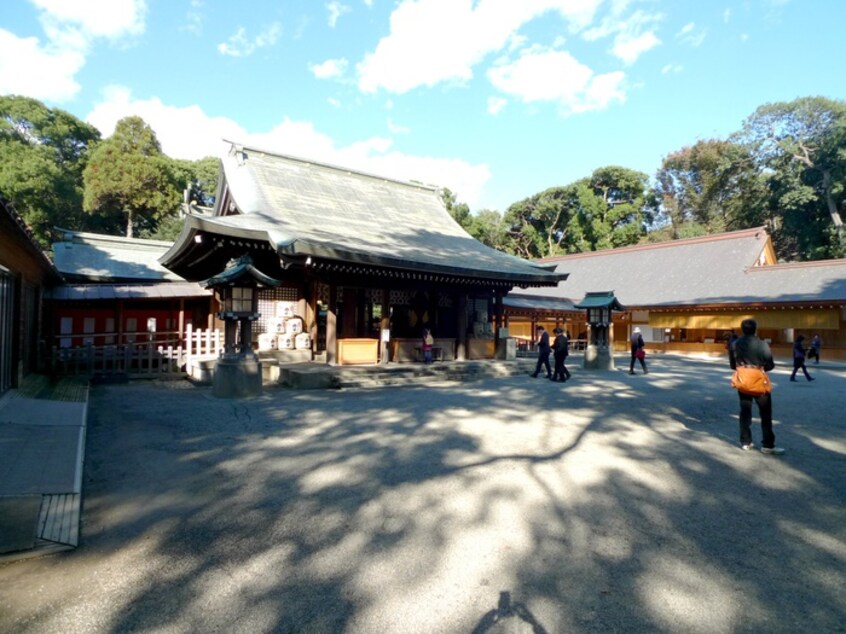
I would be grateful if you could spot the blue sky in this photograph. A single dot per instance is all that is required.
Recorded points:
(495, 99)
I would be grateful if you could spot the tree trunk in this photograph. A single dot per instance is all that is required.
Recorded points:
(129, 226)
(832, 206)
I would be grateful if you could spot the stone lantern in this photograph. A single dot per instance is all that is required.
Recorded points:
(237, 372)
(599, 354)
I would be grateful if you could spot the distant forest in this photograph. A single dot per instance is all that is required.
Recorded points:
(785, 169)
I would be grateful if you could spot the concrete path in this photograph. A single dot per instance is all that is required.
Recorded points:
(609, 503)
(42, 443)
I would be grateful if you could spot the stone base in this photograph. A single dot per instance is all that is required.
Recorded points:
(597, 358)
(237, 377)
(506, 348)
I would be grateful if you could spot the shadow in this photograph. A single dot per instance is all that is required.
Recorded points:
(506, 610)
(608, 502)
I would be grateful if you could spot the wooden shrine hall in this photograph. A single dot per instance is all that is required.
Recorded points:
(361, 264)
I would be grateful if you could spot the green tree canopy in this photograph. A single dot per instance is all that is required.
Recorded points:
(801, 145)
(608, 209)
(710, 187)
(128, 177)
(43, 153)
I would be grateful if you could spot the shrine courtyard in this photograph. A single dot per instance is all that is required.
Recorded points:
(610, 503)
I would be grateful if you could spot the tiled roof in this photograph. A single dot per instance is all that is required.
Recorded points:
(709, 270)
(163, 290)
(311, 209)
(96, 257)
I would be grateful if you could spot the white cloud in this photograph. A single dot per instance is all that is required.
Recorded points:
(628, 48)
(48, 70)
(95, 18)
(633, 34)
(330, 69)
(672, 68)
(336, 10)
(688, 35)
(434, 41)
(556, 76)
(687, 28)
(726, 15)
(239, 45)
(187, 132)
(396, 128)
(194, 18)
(496, 104)
(27, 68)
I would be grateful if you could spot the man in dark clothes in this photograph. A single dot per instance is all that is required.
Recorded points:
(543, 352)
(638, 351)
(750, 350)
(561, 349)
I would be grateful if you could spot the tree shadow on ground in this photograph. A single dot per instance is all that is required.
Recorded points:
(606, 503)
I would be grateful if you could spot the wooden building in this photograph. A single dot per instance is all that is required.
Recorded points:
(117, 293)
(365, 262)
(25, 274)
(687, 295)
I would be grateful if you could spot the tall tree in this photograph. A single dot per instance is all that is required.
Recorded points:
(43, 153)
(459, 211)
(802, 143)
(608, 209)
(128, 176)
(709, 187)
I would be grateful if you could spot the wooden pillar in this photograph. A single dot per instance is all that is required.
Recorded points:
(461, 342)
(385, 324)
(332, 325)
(120, 322)
(497, 314)
(310, 300)
(181, 319)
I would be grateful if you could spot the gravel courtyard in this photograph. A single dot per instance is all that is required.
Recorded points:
(610, 503)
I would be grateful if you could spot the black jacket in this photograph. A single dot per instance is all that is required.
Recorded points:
(543, 344)
(754, 351)
(561, 346)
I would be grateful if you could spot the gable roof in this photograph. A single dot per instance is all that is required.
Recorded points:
(305, 209)
(726, 268)
(95, 257)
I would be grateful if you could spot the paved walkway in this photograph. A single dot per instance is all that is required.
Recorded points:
(42, 445)
(609, 503)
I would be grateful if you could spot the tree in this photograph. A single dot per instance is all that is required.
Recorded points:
(43, 153)
(199, 178)
(459, 211)
(803, 145)
(127, 176)
(608, 209)
(710, 187)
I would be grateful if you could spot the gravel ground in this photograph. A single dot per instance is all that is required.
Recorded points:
(610, 503)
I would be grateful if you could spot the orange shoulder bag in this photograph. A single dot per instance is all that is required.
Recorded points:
(751, 380)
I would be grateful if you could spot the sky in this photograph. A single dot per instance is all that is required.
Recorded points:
(495, 99)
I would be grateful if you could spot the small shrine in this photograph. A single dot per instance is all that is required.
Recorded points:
(237, 372)
(599, 353)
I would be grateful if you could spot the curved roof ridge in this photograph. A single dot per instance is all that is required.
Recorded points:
(341, 168)
(712, 237)
(799, 265)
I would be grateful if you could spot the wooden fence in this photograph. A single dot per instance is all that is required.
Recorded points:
(147, 359)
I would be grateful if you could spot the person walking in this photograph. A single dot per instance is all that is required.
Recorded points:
(732, 339)
(561, 349)
(799, 358)
(426, 345)
(750, 350)
(816, 346)
(638, 351)
(543, 352)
